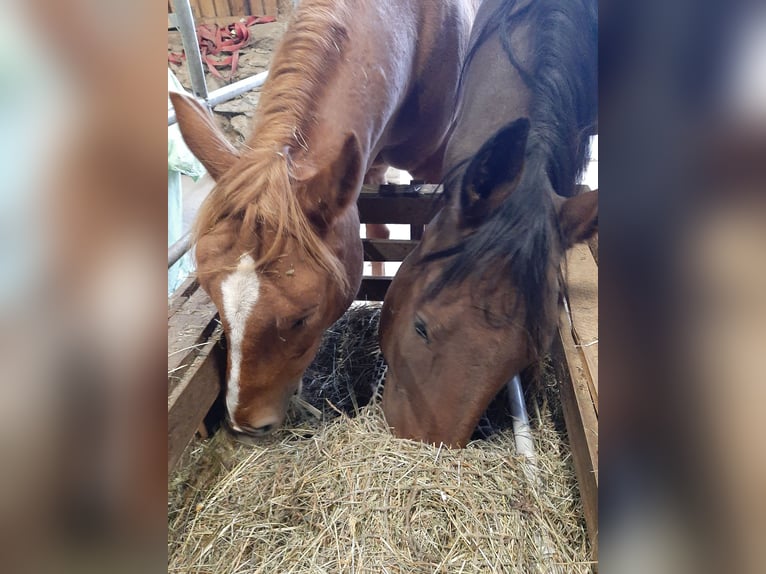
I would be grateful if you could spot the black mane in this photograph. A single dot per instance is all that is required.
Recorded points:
(516, 241)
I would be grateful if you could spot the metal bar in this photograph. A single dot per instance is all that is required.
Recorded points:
(228, 92)
(237, 88)
(179, 249)
(191, 47)
(522, 433)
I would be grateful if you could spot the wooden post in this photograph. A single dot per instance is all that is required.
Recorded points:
(575, 359)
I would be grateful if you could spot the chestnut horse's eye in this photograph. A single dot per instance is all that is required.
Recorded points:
(300, 323)
(420, 329)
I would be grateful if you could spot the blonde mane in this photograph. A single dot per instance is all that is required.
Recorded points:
(258, 190)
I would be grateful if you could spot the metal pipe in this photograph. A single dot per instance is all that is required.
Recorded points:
(179, 249)
(237, 88)
(525, 446)
(228, 92)
(182, 8)
(522, 433)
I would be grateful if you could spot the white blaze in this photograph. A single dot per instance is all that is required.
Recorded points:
(240, 294)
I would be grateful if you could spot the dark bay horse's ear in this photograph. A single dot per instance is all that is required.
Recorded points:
(578, 218)
(493, 171)
(327, 191)
(202, 136)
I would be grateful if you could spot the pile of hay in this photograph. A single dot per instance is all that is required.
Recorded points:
(344, 495)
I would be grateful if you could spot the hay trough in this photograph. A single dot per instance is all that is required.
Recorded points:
(334, 491)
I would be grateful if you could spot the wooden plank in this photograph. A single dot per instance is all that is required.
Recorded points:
(416, 232)
(387, 249)
(237, 8)
(222, 8)
(191, 399)
(411, 210)
(410, 204)
(196, 10)
(188, 330)
(582, 287)
(373, 288)
(206, 8)
(220, 21)
(581, 421)
(181, 295)
(270, 8)
(406, 189)
(593, 244)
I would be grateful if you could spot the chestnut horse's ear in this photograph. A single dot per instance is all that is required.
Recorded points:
(327, 192)
(578, 218)
(202, 136)
(493, 172)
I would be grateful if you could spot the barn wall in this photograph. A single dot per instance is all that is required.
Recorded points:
(226, 8)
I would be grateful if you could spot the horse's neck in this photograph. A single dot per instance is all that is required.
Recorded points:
(386, 51)
(493, 94)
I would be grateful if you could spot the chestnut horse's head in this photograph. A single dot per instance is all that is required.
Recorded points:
(278, 252)
(477, 301)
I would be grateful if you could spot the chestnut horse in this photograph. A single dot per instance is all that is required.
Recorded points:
(355, 85)
(478, 299)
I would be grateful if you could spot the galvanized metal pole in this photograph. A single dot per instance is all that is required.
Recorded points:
(228, 92)
(235, 89)
(191, 47)
(179, 249)
(522, 432)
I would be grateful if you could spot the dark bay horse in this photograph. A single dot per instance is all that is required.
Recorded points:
(355, 85)
(478, 300)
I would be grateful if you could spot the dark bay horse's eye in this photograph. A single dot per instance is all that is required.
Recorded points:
(420, 329)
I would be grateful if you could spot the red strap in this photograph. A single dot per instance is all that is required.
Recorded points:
(214, 40)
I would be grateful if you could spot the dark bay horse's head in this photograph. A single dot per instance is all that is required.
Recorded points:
(477, 301)
(279, 254)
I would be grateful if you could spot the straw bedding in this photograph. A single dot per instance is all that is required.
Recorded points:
(341, 494)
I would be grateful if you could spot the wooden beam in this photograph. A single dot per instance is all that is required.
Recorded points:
(373, 288)
(220, 21)
(181, 295)
(270, 8)
(188, 329)
(191, 399)
(206, 8)
(237, 8)
(410, 204)
(387, 249)
(593, 244)
(406, 189)
(582, 288)
(395, 209)
(196, 10)
(222, 8)
(581, 421)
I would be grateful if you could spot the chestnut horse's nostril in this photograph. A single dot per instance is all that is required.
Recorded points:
(246, 429)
